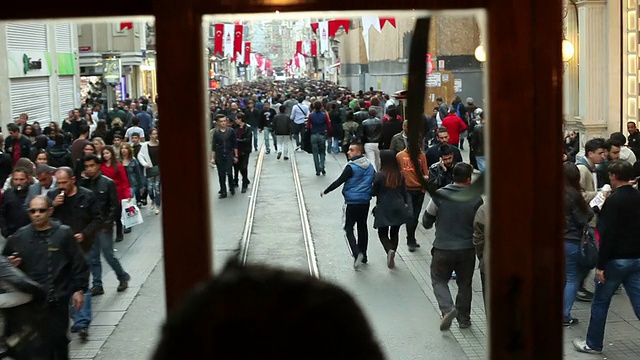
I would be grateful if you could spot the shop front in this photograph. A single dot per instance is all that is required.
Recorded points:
(41, 74)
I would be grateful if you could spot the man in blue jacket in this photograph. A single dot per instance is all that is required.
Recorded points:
(357, 178)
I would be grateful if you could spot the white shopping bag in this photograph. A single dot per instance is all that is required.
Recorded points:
(131, 215)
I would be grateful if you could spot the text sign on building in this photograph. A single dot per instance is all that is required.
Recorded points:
(434, 80)
(29, 63)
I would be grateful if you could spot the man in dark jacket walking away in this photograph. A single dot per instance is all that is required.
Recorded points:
(282, 130)
(224, 153)
(453, 248)
(244, 134)
(357, 178)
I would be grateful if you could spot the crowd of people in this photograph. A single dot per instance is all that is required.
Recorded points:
(65, 188)
(367, 126)
(602, 205)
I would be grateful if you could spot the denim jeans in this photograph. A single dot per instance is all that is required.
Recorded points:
(573, 276)
(482, 162)
(298, 132)
(82, 317)
(318, 148)
(268, 133)
(333, 145)
(254, 129)
(154, 189)
(104, 243)
(616, 272)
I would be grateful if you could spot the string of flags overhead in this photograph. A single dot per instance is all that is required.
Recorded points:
(228, 41)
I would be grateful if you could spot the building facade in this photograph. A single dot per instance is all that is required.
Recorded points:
(601, 92)
(452, 42)
(39, 72)
(129, 41)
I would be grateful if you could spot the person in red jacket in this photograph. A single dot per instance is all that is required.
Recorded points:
(455, 126)
(115, 171)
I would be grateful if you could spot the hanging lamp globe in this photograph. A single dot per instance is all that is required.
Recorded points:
(480, 54)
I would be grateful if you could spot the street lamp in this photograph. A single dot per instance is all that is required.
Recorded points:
(480, 54)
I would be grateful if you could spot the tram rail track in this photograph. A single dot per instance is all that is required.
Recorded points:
(248, 242)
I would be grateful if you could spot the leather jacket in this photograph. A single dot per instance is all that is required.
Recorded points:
(12, 279)
(85, 218)
(62, 274)
(107, 196)
(371, 130)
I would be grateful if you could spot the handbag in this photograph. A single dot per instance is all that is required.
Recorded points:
(588, 255)
(306, 142)
(131, 215)
(153, 171)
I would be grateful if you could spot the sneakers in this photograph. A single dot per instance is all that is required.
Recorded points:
(581, 346)
(97, 290)
(83, 333)
(358, 261)
(153, 206)
(156, 210)
(279, 155)
(570, 321)
(391, 262)
(447, 319)
(286, 158)
(324, 172)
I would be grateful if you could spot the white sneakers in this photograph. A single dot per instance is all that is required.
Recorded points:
(358, 262)
(581, 346)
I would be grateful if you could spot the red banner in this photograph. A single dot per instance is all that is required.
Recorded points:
(334, 26)
(247, 53)
(298, 47)
(391, 21)
(126, 25)
(314, 48)
(314, 27)
(218, 48)
(237, 42)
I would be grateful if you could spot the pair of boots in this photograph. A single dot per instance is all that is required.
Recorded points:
(245, 184)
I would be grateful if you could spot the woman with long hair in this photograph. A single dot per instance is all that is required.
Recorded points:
(99, 144)
(29, 132)
(392, 204)
(114, 170)
(134, 171)
(577, 214)
(100, 131)
(319, 125)
(149, 158)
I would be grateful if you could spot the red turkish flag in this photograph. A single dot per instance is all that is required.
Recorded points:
(237, 42)
(126, 25)
(334, 26)
(390, 20)
(218, 48)
(298, 47)
(247, 53)
(314, 48)
(314, 27)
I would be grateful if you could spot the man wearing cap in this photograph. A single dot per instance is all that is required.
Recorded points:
(46, 182)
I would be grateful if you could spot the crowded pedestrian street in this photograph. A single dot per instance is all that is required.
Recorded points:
(399, 304)
(330, 187)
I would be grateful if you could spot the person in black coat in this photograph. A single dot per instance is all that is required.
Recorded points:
(13, 214)
(23, 149)
(6, 164)
(392, 204)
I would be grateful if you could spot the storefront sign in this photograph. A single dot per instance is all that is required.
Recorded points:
(112, 70)
(29, 63)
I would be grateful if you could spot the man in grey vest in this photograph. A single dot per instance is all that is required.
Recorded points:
(453, 248)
